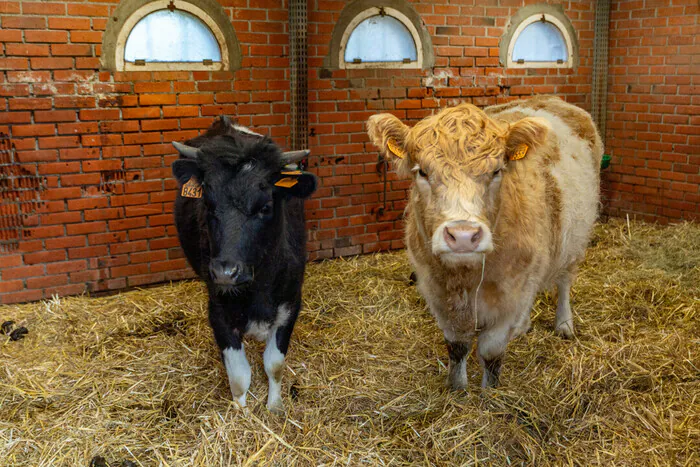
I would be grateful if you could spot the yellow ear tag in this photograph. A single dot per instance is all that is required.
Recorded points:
(191, 189)
(395, 149)
(519, 152)
(286, 182)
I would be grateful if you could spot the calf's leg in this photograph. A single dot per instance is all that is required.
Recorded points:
(233, 355)
(238, 370)
(564, 325)
(273, 358)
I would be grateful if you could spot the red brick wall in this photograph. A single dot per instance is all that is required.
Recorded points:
(89, 205)
(653, 129)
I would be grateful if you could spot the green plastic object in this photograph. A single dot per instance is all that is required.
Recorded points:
(605, 163)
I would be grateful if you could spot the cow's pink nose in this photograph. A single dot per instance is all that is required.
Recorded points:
(463, 238)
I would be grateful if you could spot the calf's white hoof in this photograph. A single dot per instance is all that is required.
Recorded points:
(276, 407)
(565, 330)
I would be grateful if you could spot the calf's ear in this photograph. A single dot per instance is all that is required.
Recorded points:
(526, 134)
(296, 183)
(389, 135)
(184, 169)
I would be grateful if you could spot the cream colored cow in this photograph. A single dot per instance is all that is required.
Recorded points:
(502, 205)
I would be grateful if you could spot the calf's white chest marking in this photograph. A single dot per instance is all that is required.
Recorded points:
(262, 330)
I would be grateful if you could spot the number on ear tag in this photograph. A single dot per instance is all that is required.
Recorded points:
(191, 189)
(395, 148)
(519, 153)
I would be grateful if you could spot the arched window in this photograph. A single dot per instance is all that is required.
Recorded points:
(169, 35)
(539, 36)
(380, 37)
(370, 34)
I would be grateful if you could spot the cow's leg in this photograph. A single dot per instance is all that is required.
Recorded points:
(564, 325)
(232, 353)
(273, 357)
(490, 350)
(457, 369)
(458, 343)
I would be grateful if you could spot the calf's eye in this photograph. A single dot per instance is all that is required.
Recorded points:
(422, 173)
(267, 209)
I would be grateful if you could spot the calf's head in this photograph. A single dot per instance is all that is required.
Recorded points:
(244, 189)
(457, 159)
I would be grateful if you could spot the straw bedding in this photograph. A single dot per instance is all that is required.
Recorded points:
(135, 378)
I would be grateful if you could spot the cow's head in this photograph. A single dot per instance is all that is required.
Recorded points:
(457, 159)
(244, 191)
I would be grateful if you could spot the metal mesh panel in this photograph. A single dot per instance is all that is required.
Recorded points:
(299, 73)
(600, 64)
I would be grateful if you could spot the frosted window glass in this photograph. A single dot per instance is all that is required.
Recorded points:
(380, 39)
(171, 36)
(540, 42)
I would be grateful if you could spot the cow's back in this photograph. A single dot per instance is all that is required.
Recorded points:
(568, 165)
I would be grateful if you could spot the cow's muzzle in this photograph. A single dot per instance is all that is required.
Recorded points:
(464, 237)
(462, 240)
(228, 273)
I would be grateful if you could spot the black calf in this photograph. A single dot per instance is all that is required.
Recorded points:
(240, 219)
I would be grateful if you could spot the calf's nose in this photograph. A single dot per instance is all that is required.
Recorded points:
(463, 238)
(223, 272)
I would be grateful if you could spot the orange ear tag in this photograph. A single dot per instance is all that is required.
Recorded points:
(191, 189)
(395, 149)
(286, 182)
(519, 152)
(291, 172)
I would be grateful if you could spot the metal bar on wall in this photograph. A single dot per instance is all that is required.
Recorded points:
(600, 65)
(298, 73)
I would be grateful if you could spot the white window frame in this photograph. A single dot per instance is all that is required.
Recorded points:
(368, 13)
(568, 63)
(140, 13)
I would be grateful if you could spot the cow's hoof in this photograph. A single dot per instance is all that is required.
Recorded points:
(276, 408)
(456, 384)
(240, 402)
(565, 330)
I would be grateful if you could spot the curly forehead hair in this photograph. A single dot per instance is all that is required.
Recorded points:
(457, 139)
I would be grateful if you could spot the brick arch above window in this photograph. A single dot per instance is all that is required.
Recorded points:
(358, 11)
(130, 12)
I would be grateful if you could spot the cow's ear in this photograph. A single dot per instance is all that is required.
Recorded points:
(184, 169)
(389, 135)
(523, 135)
(296, 183)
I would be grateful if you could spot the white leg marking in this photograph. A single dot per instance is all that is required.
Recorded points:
(238, 370)
(274, 367)
(565, 321)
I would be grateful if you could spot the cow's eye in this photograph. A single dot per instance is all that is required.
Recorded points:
(497, 172)
(422, 173)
